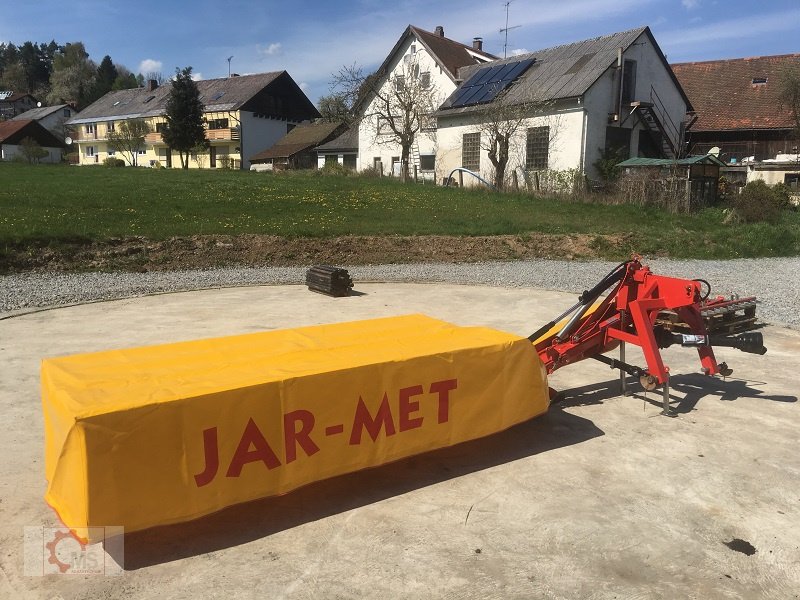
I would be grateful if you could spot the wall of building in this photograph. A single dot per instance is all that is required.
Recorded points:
(566, 123)
(256, 134)
(653, 83)
(259, 134)
(373, 145)
(10, 151)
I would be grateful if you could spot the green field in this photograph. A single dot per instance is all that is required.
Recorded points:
(50, 205)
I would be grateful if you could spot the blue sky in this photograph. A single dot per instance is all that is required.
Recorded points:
(312, 39)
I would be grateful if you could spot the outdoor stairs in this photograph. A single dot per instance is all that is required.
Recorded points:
(660, 135)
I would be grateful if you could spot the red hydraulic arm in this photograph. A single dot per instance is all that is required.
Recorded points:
(628, 314)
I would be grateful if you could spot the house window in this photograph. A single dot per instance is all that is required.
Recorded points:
(218, 123)
(89, 150)
(471, 151)
(427, 162)
(399, 83)
(90, 128)
(413, 48)
(759, 80)
(427, 123)
(112, 152)
(628, 82)
(350, 161)
(425, 80)
(141, 152)
(111, 126)
(67, 112)
(331, 159)
(536, 150)
(384, 125)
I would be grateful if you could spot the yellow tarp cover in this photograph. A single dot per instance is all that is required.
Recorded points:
(162, 434)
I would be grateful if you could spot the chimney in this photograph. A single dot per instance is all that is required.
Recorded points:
(477, 44)
(439, 31)
(152, 84)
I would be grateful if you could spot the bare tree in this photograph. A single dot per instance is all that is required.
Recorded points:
(500, 124)
(128, 138)
(393, 107)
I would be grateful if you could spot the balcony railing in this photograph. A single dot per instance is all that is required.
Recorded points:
(154, 139)
(227, 134)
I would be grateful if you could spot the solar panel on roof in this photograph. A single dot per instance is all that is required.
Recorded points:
(488, 82)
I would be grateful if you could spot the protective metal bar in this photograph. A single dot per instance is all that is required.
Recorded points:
(666, 410)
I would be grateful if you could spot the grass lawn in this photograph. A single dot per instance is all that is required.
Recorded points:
(48, 205)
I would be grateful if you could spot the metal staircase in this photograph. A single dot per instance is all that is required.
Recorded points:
(662, 129)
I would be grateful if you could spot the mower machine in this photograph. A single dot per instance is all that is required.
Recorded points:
(140, 437)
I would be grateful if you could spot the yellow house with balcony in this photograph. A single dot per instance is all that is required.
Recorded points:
(243, 115)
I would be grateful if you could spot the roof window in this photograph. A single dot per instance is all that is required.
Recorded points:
(146, 100)
(759, 80)
(218, 95)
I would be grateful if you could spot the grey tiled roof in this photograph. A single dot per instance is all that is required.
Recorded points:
(565, 71)
(347, 141)
(41, 112)
(215, 94)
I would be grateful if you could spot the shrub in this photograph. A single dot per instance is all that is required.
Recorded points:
(760, 202)
(370, 172)
(334, 168)
(113, 162)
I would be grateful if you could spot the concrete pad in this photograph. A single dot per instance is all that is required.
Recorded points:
(601, 498)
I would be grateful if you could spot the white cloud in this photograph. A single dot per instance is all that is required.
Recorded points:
(273, 49)
(518, 51)
(690, 4)
(197, 76)
(148, 65)
(304, 86)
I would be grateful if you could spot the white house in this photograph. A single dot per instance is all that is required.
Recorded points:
(614, 93)
(426, 63)
(13, 134)
(52, 118)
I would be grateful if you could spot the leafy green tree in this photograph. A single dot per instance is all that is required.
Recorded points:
(128, 138)
(104, 80)
(125, 79)
(334, 109)
(184, 116)
(73, 76)
(31, 150)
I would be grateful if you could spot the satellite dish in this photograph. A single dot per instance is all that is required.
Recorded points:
(715, 151)
(38, 105)
(67, 140)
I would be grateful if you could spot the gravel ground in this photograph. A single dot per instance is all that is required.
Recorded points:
(770, 280)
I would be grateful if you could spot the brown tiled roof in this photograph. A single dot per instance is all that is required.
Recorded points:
(300, 138)
(9, 128)
(725, 98)
(451, 54)
(14, 131)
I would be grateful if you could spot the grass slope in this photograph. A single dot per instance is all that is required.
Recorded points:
(49, 205)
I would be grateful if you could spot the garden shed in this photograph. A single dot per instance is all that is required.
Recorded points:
(682, 184)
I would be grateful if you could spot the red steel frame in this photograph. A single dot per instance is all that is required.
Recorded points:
(628, 314)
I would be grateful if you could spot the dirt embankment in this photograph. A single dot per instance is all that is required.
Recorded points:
(197, 252)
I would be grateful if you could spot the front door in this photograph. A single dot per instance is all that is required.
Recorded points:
(213, 157)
